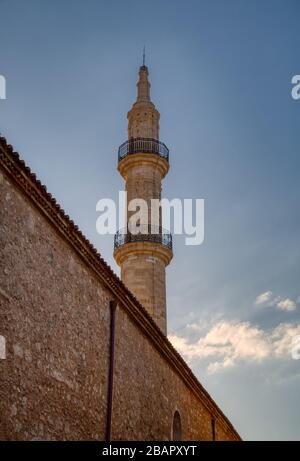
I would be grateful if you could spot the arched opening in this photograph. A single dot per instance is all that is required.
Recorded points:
(213, 429)
(176, 427)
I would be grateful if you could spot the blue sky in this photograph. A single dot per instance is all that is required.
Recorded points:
(221, 78)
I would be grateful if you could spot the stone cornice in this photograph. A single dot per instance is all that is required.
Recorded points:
(21, 175)
(151, 248)
(143, 159)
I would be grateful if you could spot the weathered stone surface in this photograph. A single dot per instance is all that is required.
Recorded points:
(144, 271)
(53, 383)
(55, 317)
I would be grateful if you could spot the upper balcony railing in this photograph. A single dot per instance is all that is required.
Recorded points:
(148, 233)
(144, 146)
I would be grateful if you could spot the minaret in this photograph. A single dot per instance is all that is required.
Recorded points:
(143, 162)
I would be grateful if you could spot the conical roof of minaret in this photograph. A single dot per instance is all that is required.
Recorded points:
(143, 117)
(143, 88)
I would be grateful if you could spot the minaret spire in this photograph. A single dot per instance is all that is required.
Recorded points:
(143, 118)
(144, 56)
(143, 85)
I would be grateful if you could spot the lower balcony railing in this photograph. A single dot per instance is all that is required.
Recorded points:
(147, 234)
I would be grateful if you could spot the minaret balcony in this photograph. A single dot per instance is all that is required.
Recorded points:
(150, 233)
(143, 146)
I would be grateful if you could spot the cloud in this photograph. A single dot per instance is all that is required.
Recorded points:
(264, 298)
(270, 300)
(194, 327)
(286, 304)
(228, 344)
(282, 338)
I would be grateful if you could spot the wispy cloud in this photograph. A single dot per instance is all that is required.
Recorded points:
(227, 344)
(264, 298)
(268, 299)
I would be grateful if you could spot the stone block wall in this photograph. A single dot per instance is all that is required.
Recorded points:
(54, 315)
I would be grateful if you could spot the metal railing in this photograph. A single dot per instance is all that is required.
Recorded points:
(144, 146)
(147, 234)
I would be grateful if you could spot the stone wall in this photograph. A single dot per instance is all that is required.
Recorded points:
(54, 314)
(155, 392)
(53, 383)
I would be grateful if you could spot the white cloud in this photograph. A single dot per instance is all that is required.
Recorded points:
(282, 338)
(194, 327)
(227, 344)
(264, 298)
(270, 300)
(286, 304)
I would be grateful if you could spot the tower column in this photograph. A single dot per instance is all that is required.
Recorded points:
(143, 163)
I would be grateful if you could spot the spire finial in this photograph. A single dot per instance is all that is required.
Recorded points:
(144, 56)
(143, 94)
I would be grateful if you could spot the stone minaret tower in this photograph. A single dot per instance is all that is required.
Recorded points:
(143, 163)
